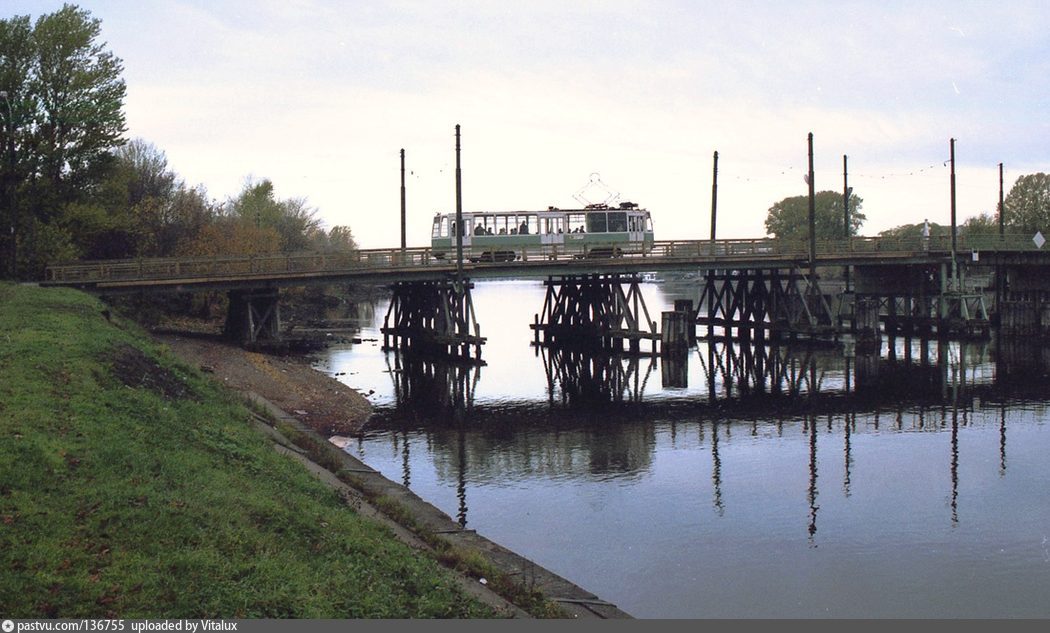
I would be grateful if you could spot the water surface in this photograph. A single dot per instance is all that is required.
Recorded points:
(782, 483)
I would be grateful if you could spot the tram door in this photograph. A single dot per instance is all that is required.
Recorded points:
(468, 231)
(552, 230)
(636, 229)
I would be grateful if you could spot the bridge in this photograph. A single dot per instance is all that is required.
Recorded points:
(749, 289)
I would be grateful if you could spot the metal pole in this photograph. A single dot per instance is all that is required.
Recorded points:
(812, 216)
(954, 239)
(845, 213)
(459, 214)
(714, 197)
(403, 240)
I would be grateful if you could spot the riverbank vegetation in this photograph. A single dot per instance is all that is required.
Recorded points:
(131, 486)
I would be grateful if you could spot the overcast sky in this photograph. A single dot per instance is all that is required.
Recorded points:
(320, 95)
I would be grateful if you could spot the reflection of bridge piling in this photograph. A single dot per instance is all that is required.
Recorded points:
(585, 377)
(431, 384)
(433, 317)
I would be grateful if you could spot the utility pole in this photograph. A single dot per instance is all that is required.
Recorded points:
(403, 240)
(1000, 278)
(955, 277)
(714, 197)
(812, 217)
(459, 215)
(1002, 220)
(845, 214)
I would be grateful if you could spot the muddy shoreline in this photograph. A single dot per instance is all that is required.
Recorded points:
(317, 400)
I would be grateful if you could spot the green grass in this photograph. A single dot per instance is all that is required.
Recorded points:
(130, 486)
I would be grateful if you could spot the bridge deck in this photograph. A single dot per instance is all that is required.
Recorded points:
(416, 264)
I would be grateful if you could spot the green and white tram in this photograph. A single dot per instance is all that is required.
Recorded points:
(594, 231)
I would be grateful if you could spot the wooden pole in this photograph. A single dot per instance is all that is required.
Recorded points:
(845, 214)
(714, 196)
(403, 240)
(459, 214)
(954, 236)
(1002, 219)
(812, 216)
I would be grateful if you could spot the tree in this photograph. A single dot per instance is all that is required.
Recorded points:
(1027, 206)
(292, 219)
(337, 239)
(16, 104)
(81, 99)
(62, 109)
(789, 218)
(983, 225)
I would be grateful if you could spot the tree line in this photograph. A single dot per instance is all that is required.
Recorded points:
(74, 187)
(1026, 210)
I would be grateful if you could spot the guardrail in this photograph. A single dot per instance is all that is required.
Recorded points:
(393, 260)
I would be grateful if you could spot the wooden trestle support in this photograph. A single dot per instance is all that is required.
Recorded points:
(433, 317)
(253, 316)
(596, 312)
(763, 304)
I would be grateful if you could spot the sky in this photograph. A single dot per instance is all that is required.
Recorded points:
(320, 96)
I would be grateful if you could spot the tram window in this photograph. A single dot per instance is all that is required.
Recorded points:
(441, 227)
(617, 222)
(528, 225)
(596, 223)
(553, 225)
(576, 222)
(648, 224)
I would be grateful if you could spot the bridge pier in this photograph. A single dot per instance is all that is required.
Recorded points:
(751, 304)
(595, 312)
(1025, 306)
(433, 317)
(920, 299)
(253, 316)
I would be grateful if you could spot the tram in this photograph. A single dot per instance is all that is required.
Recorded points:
(596, 230)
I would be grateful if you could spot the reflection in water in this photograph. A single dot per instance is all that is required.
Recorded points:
(850, 422)
(812, 491)
(461, 480)
(506, 440)
(426, 385)
(591, 468)
(955, 465)
(716, 466)
(1002, 440)
(581, 377)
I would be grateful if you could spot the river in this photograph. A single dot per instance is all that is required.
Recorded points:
(790, 482)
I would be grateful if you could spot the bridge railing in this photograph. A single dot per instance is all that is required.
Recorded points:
(193, 269)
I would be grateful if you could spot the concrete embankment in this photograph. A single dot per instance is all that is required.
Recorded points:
(419, 523)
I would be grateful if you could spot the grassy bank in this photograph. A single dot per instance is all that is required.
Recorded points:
(130, 486)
